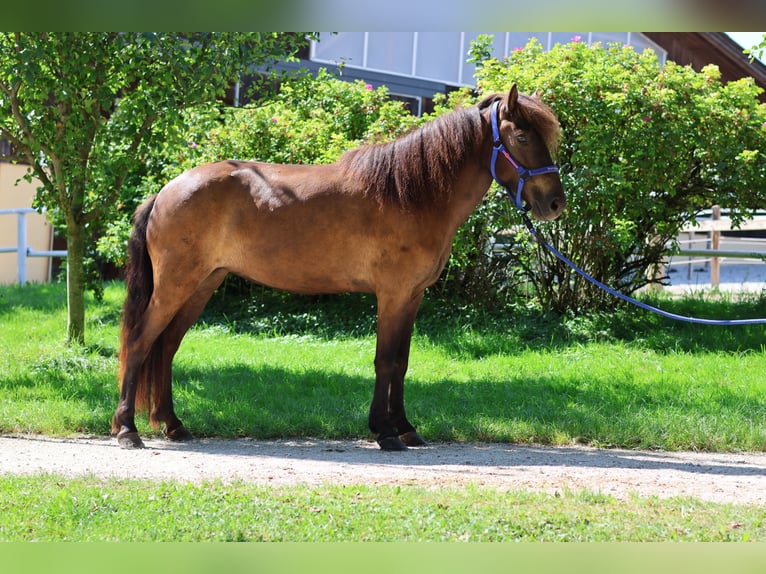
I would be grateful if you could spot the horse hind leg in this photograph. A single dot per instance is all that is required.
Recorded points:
(138, 358)
(167, 345)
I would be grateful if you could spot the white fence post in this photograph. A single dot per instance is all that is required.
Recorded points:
(715, 245)
(22, 248)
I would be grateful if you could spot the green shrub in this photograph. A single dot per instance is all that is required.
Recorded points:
(645, 149)
(310, 121)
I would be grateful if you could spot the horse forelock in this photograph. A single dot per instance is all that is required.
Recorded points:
(542, 119)
(537, 115)
(417, 167)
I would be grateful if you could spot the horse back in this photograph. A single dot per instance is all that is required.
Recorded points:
(298, 228)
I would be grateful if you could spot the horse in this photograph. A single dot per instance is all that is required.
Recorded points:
(380, 220)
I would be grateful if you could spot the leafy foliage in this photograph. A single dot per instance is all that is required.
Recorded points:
(645, 149)
(310, 120)
(84, 111)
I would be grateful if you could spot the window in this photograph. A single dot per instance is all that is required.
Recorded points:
(441, 56)
(390, 52)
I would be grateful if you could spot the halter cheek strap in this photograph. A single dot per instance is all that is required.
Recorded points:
(524, 173)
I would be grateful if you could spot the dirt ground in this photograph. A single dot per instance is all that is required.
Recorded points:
(717, 477)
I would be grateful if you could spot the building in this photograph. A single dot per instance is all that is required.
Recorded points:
(17, 193)
(416, 65)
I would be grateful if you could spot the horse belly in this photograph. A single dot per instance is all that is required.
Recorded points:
(298, 249)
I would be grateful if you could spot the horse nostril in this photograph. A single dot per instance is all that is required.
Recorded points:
(557, 205)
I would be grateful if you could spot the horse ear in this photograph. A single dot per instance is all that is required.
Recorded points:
(511, 100)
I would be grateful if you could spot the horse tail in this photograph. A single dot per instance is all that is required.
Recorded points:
(139, 278)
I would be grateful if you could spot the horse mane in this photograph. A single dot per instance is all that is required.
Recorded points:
(420, 165)
(415, 168)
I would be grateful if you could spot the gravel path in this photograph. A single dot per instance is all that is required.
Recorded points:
(716, 477)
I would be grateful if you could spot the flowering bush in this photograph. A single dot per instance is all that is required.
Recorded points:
(645, 148)
(311, 120)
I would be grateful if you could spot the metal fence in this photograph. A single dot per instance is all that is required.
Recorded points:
(22, 249)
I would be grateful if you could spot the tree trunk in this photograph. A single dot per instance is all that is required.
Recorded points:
(75, 283)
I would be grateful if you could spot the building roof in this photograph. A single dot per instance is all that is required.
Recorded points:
(699, 49)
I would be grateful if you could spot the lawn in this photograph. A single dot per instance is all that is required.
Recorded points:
(287, 366)
(51, 508)
(280, 366)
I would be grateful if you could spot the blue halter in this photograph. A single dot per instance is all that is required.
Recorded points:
(524, 173)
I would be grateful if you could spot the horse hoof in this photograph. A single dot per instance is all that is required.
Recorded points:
(412, 438)
(391, 443)
(130, 440)
(178, 434)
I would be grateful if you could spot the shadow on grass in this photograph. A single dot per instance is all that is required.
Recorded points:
(47, 297)
(475, 332)
(242, 400)
(461, 330)
(269, 402)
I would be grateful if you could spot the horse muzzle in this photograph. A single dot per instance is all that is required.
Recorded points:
(547, 205)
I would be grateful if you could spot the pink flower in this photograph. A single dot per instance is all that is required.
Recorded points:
(274, 121)
(193, 145)
(647, 118)
(576, 38)
(368, 86)
(518, 49)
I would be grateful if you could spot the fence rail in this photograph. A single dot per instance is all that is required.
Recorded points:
(22, 248)
(713, 227)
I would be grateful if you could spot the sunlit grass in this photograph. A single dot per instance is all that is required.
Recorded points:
(283, 366)
(50, 508)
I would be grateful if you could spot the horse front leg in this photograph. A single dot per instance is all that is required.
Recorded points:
(407, 433)
(387, 418)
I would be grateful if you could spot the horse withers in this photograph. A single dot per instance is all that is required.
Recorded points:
(380, 220)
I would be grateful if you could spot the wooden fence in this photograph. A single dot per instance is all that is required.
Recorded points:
(712, 228)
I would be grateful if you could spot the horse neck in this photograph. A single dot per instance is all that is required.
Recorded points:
(469, 187)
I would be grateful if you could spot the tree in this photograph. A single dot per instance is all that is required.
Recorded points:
(84, 111)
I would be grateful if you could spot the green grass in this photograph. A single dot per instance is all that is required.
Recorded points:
(289, 366)
(51, 508)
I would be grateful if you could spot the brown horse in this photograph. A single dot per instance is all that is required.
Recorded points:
(380, 220)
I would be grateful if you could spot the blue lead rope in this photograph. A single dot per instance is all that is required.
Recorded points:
(499, 148)
(624, 297)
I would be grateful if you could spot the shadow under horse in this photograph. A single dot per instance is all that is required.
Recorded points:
(380, 220)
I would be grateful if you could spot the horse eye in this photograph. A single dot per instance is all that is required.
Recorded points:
(521, 138)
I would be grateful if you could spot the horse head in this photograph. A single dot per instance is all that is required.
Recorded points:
(525, 134)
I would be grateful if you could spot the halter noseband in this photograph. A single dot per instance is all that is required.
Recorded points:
(524, 173)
